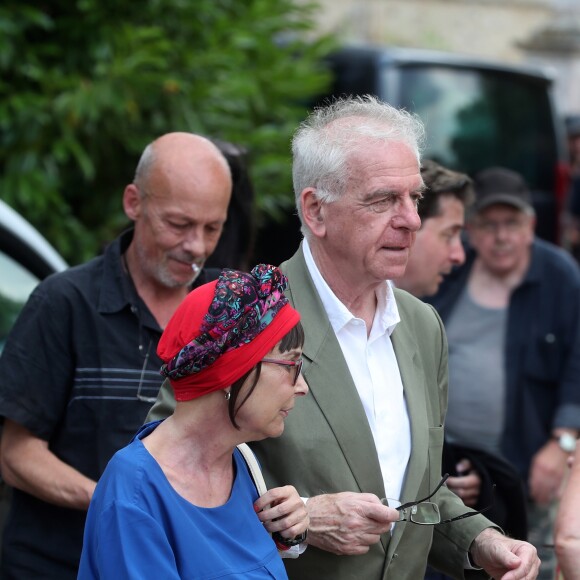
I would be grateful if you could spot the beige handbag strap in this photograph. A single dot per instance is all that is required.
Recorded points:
(260, 484)
(254, 468)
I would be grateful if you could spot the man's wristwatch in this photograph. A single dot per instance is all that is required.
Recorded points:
(566, 441)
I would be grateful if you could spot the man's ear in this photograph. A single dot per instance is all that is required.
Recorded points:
(132, 201)
(313, 212)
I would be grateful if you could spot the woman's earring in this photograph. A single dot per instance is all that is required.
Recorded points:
(228, 395)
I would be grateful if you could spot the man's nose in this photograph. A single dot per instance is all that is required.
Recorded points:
(457, 253)
(407, 215)
(194, 242)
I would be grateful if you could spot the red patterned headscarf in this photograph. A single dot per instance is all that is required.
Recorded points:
(223, 329)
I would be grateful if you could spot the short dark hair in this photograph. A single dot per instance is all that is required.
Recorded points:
(440, 182)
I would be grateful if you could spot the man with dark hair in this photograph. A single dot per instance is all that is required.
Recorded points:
(441, 183)
(438, 244)
(437, 249)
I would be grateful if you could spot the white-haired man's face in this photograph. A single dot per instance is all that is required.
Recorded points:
(365, 236)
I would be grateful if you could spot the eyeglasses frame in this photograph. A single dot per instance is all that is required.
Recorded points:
(405, 506)
(288, 363)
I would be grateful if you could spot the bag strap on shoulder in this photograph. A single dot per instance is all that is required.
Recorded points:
(254, 468)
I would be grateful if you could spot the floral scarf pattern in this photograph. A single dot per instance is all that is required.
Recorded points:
(243, 305)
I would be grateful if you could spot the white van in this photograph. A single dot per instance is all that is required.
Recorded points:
(26, 258)
(477, 114)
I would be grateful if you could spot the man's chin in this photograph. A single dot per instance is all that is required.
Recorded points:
(431, 291)
(175, 282)
(392, 274)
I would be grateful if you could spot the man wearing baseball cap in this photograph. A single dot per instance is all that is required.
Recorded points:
(512, 316)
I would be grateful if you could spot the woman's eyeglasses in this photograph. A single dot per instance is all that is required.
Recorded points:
(297, 364)
(426, 513)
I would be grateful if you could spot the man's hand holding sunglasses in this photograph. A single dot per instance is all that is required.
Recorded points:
(348, 523)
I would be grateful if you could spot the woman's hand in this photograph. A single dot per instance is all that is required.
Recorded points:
(282, 510)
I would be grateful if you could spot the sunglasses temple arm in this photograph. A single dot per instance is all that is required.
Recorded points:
(412, 503)
(468, 514)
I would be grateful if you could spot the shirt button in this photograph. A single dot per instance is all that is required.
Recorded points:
(550, 338)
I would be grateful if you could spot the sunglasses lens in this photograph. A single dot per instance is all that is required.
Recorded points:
(426, 513)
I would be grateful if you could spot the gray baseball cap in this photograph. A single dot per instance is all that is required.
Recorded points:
(497, 185)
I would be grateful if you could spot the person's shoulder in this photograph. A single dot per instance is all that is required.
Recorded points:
(412, 308)
(83, 277)
(125, 470)
(549, 251)
(407, 301)
(295, 264)
(552, 258)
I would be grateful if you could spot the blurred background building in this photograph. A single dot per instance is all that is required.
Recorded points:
(540, 32)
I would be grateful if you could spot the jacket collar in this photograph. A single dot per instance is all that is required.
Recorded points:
(116, 289)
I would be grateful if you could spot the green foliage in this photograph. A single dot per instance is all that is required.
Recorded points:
(86, 84)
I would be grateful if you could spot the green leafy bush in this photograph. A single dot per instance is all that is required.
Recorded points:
(86, 84)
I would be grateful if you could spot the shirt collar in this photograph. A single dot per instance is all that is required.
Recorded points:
(387, 314)
(116, 292)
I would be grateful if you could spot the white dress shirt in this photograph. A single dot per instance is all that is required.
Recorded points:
(374, 369)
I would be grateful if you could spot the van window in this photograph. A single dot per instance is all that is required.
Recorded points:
(481, 117)
(477, 114)
(478, 118)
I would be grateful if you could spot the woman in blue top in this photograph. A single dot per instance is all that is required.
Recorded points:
(178, 501)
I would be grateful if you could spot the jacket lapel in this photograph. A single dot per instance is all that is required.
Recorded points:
(406, 351)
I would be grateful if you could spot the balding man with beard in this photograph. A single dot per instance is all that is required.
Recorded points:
(80, 369)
